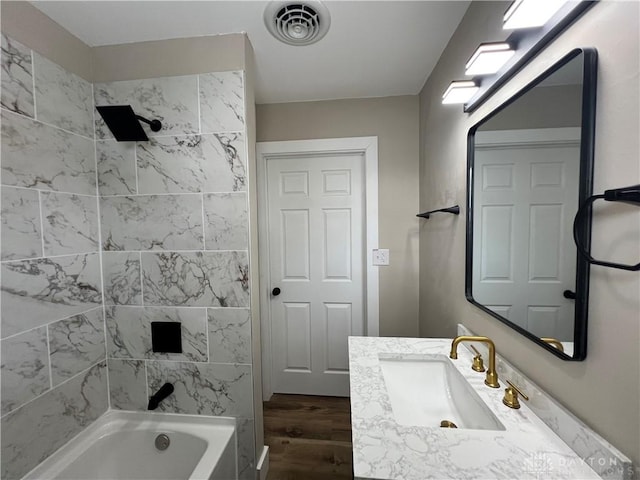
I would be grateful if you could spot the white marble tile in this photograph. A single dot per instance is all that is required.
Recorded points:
(222, 102)
(116, 167)
(121, 278)
(197, 163)
(201, 279)
(203, 388)
(172, 100)
(149, 222)
(75, 344)
(129, 332)
(25, 368)
(246, 449)
(33, 432)
(17, 81)
(226, 221)
(69, 223)
(229, 335)
(21, 227)
(63, 99)
(36, 292)
(127, 384)
(40, 156)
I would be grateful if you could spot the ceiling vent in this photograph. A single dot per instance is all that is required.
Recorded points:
(297, 23)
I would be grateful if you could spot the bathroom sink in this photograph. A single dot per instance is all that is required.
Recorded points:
(425, 390)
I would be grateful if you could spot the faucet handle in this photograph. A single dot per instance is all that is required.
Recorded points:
(478, 364)
(511, 396)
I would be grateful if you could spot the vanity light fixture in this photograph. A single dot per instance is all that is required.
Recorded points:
(488, 58)
(530, 13)
(459, 91)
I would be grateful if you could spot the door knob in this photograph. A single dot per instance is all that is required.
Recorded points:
(569, 294)
(275, 292)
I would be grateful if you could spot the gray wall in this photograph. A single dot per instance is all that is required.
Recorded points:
(395, 121)
(25, 23)
(542, 107)
(603, 390)
(54, 379)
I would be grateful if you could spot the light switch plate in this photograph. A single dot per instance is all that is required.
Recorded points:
(381, 256)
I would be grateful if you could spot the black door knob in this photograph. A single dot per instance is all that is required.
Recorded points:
(569, 294)
(275, 292)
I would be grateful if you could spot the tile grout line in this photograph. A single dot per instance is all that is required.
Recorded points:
(196, 362)
(168, 135)
(180, 134)
(101, 265)
(135, 168)
(157, 252)
(206, 325)
(204, 230)
(141, 281)
(46, 257)
(106, 357)
(50, 125)
(161, 194)
(146, 379)
(166, 307)
(41, 225)
(56, 387)
(33, 83)
(45, 190)
(52, 322)
(49, 358)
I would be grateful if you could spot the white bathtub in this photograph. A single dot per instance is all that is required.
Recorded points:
(121, 445)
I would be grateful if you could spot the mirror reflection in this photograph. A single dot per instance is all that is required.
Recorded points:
(524, 189)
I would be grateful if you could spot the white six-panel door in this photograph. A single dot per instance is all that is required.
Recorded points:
(525, 196)
(316, 258)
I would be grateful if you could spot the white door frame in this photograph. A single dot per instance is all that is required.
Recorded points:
(366, 146)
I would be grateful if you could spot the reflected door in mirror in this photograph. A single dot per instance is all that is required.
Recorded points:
(524, 194)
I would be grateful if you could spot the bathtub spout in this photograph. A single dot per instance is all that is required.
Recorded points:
(156, 398)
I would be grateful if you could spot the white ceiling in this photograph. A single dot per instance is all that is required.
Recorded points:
(373, 48)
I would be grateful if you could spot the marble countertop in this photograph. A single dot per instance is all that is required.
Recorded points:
(384, 449)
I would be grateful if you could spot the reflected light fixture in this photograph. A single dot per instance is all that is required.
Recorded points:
(459, 92)
(488, 58)
(530, 13)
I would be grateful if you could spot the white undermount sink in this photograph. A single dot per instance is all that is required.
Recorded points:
(424, 390)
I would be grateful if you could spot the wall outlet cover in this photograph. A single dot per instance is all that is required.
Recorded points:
(381, 256)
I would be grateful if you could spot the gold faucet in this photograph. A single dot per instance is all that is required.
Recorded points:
(492, 376)
(511, 396)
(553, 342)
(478, 364)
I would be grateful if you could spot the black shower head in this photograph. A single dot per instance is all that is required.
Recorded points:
(125, 124)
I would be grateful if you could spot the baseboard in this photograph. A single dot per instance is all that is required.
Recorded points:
(263, 463)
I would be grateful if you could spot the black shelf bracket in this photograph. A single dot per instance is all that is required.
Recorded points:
(455, 210)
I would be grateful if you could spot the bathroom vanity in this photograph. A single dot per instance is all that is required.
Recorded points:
(400, 387)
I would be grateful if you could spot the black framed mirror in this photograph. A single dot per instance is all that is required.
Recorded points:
(529, 167)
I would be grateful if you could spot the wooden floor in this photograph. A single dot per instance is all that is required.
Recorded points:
(309, 437)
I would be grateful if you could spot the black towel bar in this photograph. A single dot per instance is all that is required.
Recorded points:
(455, 210)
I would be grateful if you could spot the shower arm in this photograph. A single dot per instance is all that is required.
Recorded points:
(155, 125)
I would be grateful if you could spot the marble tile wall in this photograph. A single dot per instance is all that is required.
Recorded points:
(174, 224)
(52, 331)
(101, 238)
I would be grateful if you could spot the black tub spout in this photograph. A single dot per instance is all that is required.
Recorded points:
(156, 398)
